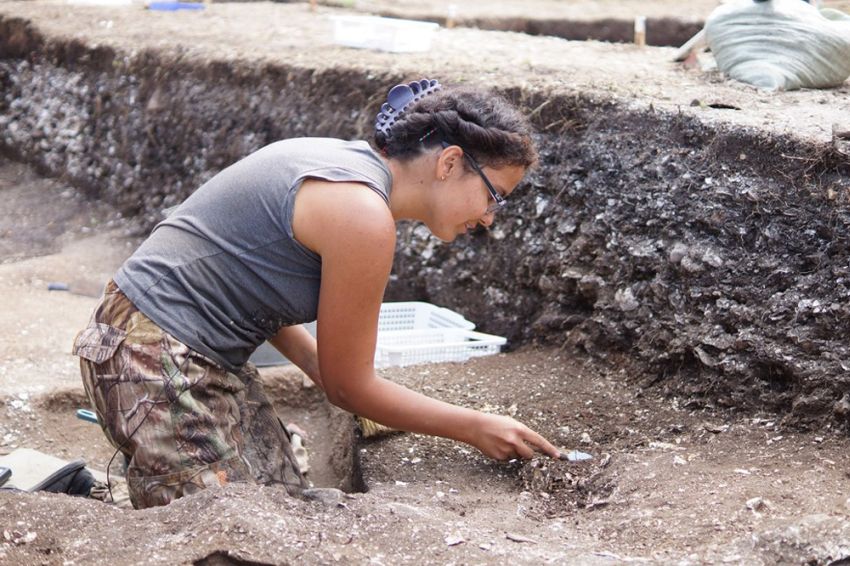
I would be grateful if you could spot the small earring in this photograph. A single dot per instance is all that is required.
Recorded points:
(443, 178)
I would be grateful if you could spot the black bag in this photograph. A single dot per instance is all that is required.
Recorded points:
(73, 479)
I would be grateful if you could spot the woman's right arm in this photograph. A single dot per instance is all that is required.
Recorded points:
(357, 243)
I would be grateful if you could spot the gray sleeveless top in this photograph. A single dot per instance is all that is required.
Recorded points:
(224, 272)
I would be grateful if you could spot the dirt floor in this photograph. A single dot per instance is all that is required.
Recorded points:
(667, 484)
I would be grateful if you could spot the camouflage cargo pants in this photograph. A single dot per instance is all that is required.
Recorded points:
(183, 422)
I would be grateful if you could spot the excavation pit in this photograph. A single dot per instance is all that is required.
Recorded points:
(48, 423)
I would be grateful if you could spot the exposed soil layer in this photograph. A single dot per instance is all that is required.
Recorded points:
(698, 225)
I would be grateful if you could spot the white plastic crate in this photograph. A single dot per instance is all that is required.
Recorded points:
(412, 332)
(384, 34)
(415, 315)
(408, 347)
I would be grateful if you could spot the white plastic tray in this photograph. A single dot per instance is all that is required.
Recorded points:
(415, 315)
(408, 347)
(384, 34)
(412, 332)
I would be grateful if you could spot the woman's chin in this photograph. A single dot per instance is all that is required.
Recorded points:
(446, 234)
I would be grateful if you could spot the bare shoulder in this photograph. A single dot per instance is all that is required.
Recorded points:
(332, 217)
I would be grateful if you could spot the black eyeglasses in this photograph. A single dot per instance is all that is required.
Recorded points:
(500, 200)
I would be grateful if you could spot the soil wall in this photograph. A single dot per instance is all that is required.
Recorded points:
(717, 258)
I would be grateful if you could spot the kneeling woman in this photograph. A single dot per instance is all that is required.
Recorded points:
(301, 230)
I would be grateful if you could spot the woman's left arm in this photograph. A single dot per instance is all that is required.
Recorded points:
(299, 347)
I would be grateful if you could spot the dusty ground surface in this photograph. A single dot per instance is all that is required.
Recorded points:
(667, 484)
(41, 218)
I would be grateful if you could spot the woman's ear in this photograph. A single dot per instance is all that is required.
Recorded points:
(449, 161)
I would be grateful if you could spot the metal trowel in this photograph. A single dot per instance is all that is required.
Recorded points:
(574, 456)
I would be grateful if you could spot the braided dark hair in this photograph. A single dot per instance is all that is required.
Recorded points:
(486, 125)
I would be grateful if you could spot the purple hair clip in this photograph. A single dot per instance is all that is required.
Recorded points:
(399, 99)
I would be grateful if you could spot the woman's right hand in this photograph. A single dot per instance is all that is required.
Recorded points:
(504, 438)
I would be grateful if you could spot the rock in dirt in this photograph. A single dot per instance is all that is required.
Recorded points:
(327, 495)
(757, 504)
(519, 538)
(812, 539)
